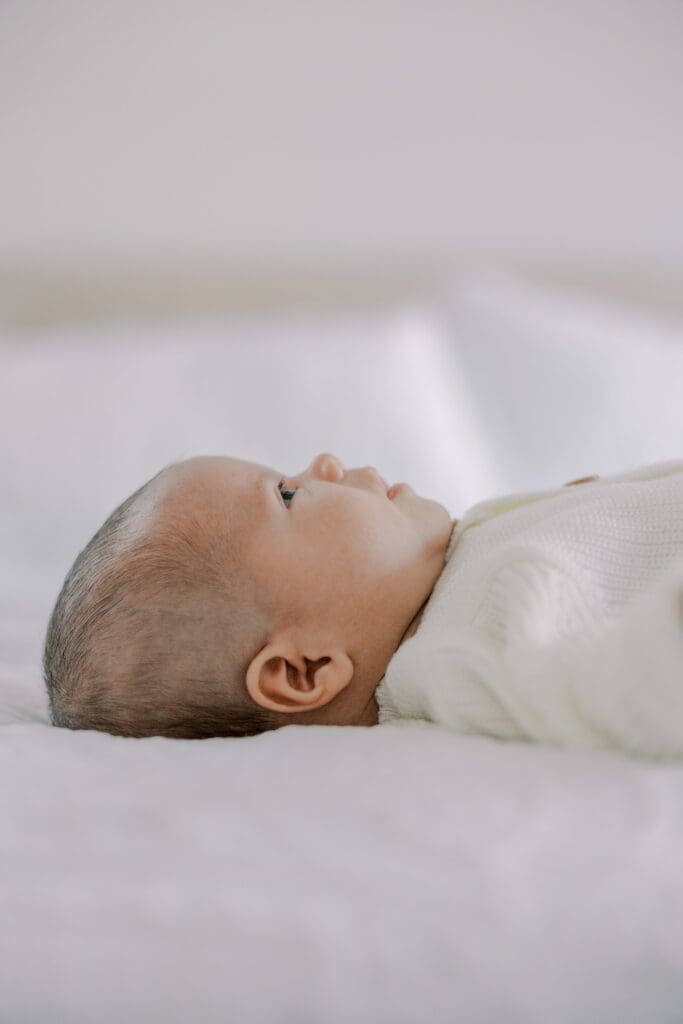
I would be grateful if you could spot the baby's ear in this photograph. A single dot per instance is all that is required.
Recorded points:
(282, 679)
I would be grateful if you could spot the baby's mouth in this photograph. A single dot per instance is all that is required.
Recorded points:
(396, 488)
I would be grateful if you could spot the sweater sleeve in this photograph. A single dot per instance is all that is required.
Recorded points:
(614, 685)
(627, 680)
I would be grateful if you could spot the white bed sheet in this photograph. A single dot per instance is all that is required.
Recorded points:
(395, 874)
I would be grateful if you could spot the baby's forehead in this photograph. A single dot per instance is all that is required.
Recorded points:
(206, 493)
(205, 478)
(215, 472)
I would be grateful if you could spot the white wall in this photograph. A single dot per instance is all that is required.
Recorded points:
(363, 127)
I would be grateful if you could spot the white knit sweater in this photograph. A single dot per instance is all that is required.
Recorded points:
(558, 618)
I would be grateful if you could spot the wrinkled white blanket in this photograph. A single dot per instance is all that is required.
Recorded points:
(558, 618)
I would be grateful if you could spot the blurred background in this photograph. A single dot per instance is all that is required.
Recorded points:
(441, 238)
(207, 155)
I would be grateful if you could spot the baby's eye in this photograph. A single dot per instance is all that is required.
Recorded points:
(285, 494)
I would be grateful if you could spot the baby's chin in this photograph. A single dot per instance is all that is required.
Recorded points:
(432, 517)
(441, 513)
(440, 527)
(404, 496)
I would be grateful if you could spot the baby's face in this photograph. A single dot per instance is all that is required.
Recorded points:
(330, 546)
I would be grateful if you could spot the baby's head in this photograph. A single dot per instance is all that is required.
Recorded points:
(223, 598)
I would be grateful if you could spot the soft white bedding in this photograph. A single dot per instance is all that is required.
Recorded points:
(394, 874)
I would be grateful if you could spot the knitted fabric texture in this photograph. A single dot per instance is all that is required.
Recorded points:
(558, 618)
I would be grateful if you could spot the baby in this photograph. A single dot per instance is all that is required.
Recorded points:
(224, 598)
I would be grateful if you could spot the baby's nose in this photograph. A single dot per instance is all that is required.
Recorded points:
(327, 467)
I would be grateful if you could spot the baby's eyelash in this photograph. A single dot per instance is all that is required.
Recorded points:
(283, 493)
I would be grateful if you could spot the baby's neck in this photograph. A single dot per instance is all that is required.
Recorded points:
(370, 714)
(415, 621)
(413, 625)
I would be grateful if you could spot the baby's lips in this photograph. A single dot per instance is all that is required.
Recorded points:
(395, 488)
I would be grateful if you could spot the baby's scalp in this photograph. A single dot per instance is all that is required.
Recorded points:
(155, 624)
